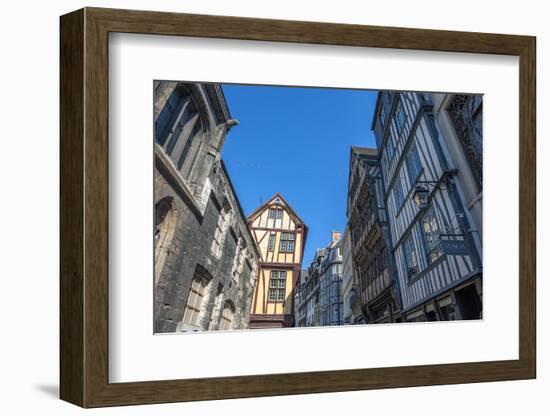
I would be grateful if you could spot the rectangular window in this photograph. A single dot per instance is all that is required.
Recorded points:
(398, 194)
(385, 107)
(219, 232)
(275, 213)
(383, 114)
(447, 308)
(194, 301)
(400, 118)
(411, 259)
(181, 130)
(271, 242)
(286, 244)
(390, 150)
(277, 286)
(195, 129)
(226, 318)
(431, 235)
(414, 166)
(167, 117)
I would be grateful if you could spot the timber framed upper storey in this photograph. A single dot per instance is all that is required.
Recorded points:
(281, 236)
(84, 219)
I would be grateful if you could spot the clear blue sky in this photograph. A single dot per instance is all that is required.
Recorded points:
(297, 141)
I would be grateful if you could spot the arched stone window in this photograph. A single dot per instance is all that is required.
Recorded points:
(226, 320)
(194, 315)
(165, 226)
(195, 300)
(179, 129)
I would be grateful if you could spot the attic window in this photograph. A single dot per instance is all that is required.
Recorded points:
(275, 213)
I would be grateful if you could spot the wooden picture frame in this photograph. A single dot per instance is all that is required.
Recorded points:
(84, 207)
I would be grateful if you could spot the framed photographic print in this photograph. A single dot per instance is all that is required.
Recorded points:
(260, 207)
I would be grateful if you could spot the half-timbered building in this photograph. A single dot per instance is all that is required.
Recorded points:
(350, 286)
(281, 236)
(370, 237)
(434, 240)
(206, 259)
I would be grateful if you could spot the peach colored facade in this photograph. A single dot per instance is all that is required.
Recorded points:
(280, 235)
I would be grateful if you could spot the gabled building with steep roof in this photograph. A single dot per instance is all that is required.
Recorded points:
(281, 236)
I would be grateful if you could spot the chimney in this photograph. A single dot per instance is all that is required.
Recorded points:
(335, 236)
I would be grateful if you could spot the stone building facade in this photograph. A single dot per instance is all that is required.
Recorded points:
(206, 260)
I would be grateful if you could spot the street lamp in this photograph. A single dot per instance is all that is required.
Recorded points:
(420, 196)
(421, 191)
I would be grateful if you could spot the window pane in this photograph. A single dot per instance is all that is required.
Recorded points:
(389, 148)
(271, 243)
(400, 117)
(414, 165)
(178, 129)
(197, 128)
(431, 234)
(191, 298)
(186, 315)
(191, 317)
(398, 192)
(167, 116)
(410, 256)
(198, 301)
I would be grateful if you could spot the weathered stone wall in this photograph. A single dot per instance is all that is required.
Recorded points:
(192, 250)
